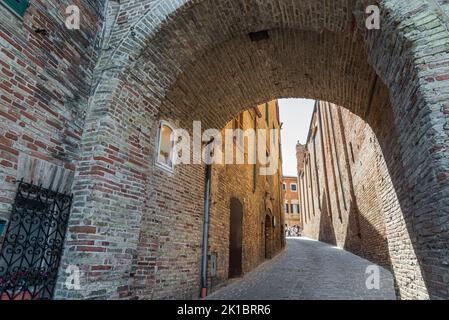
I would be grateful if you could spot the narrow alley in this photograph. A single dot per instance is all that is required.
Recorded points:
(307, 270)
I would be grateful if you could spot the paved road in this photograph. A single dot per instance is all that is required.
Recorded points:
(307, 270)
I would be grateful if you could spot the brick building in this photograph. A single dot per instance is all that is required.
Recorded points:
(246, 207)
(341, 175)
(292, 207)
(80, 113)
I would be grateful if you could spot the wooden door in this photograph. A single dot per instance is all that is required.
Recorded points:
(235, 239)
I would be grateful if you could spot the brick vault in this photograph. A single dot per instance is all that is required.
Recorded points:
(208, 60)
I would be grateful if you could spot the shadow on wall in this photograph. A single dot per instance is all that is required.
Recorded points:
(326, 232)
(372, 246)
(353, 240)
(363, 239)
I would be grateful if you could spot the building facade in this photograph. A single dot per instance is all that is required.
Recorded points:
(292, 206)
(246, 212)
(341, 175)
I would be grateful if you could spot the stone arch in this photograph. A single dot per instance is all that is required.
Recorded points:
(173, 42)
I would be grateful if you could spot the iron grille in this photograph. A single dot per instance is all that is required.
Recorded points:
(33, 243)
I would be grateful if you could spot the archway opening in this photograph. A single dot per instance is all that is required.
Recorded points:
(239, 74)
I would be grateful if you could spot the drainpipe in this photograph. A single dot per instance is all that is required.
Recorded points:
(205, 232)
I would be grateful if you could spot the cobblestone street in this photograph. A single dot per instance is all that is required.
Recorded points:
(307, 270)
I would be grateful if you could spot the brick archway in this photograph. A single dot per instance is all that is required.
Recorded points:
(160, 70)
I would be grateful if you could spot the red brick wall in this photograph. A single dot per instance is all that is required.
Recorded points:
(45, 80)
(349, 210)
(237, 181)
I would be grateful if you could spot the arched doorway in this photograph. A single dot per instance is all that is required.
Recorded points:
(268, 236)
(235, 238)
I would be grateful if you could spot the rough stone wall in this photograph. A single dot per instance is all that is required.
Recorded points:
(45, 77)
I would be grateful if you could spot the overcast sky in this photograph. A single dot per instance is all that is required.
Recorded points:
(296, 115)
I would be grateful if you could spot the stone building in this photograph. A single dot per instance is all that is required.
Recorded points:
(292, 207)
(342, 176)
(80, 111)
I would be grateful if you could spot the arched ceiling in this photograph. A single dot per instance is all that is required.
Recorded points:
(239, 73)
(202, 63)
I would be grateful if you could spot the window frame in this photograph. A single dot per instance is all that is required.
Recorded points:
(164, 166)
(14, 9)
(293, 184)
(296, 208)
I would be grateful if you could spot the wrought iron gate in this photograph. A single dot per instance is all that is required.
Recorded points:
(33, 243)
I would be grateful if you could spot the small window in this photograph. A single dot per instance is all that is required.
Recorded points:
(18, 7)
(286, 208)
(293, 187)
(284, 187)
(296, 208)
(165, 146)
